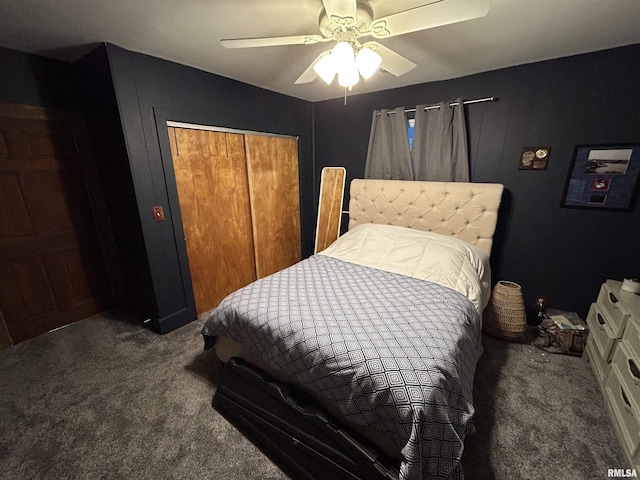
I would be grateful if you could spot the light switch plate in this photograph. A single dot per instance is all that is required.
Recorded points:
(158, 214)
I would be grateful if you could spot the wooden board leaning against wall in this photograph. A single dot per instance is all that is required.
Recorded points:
(329, 206)
(240, 207)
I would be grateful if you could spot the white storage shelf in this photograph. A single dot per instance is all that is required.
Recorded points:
(613, 348)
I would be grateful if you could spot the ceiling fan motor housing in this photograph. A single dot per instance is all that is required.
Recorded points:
(335, 27)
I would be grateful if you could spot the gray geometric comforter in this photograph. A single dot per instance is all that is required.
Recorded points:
(392, 352)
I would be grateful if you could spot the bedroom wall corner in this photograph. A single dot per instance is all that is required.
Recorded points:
(142, 85)
(39, 81)
(115, 176)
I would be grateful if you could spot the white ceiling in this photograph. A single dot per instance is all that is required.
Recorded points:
(189, 31)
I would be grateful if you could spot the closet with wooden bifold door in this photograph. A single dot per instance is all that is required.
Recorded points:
(240, 206)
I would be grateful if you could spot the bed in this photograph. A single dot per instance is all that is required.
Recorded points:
(358, 362)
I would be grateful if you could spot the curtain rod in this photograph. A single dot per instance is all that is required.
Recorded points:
(433, 107)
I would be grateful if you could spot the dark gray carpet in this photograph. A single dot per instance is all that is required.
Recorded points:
(538, 416)
(106, 398)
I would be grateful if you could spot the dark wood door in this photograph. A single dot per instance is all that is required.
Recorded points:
(52, 270)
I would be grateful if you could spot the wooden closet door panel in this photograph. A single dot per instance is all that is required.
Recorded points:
(213, 193)
(272, 166)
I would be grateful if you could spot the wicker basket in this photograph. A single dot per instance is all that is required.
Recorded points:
(505, 316)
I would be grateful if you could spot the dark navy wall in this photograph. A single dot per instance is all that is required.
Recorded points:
(563, 253)
(150, 91)
(135, 288)
(586, 99)
(34, 80)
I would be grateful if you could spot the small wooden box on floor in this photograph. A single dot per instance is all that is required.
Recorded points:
(613, 348)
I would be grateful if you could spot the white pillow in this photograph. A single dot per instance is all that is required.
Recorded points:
(429, 256)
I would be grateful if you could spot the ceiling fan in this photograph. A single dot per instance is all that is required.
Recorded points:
(348, 21)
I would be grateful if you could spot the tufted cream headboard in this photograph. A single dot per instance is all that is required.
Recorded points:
(468, 211)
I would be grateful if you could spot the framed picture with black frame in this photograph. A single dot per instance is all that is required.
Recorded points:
(603, 177)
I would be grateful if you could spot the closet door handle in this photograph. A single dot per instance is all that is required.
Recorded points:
(613, 298)
(633, 368)
(600, 319)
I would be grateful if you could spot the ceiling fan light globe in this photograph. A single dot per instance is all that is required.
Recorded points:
(342, 55)
(348, 77)
(367, 62)
(326, 69)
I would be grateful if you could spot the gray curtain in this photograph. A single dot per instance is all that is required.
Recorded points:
(389, 157)
(439, 152)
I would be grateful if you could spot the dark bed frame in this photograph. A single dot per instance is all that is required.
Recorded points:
(290, 428)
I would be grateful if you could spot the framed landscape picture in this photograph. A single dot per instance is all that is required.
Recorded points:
(603, 177)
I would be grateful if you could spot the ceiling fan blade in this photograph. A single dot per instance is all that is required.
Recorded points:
(345, 10)
(435, 14)
(392, 62)
(272, 41)
(309, 75)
